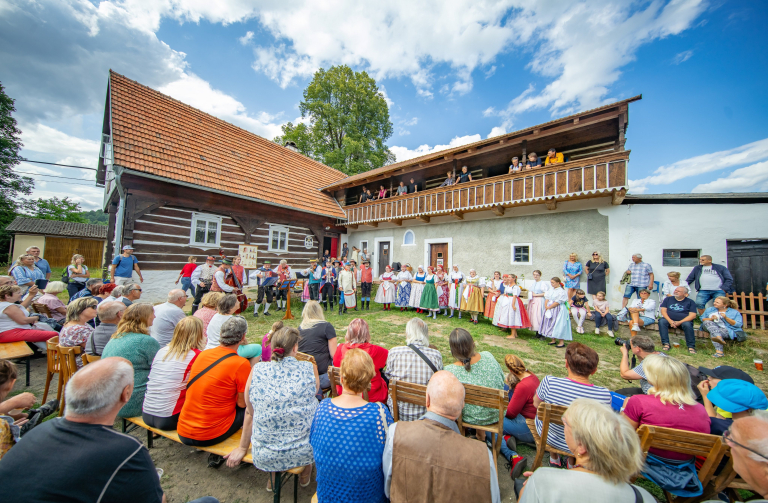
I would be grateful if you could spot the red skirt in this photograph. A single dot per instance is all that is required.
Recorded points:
(490, 304)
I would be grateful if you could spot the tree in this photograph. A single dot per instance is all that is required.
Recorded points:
(97, 217)
(55, 209)
(348, 122)
(11, 184)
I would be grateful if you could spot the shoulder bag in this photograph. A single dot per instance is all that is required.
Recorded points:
(209, 367)
(423, 357)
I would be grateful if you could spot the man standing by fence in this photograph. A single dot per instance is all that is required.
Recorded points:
(710, 281)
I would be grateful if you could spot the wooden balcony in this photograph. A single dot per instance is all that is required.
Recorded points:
(586, 178)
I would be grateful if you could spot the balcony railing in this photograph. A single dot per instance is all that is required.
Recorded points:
(592, 177)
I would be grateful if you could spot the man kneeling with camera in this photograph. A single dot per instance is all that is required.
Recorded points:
(641, 346)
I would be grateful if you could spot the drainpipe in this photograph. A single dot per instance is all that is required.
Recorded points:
(120, 210)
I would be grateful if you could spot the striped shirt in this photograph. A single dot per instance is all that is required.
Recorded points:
(167, 383)
(563, 391)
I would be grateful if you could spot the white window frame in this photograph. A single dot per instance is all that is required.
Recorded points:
(206, 217)
(697, 250)
(363, 246)
(414, 238)
(278, 228)
(530, 254)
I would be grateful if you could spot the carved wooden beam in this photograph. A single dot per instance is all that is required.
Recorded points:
(396, 221)
(551, 204)
(498, 211)
(144, 206)
(423, 218)
(248, 225)
(319, 233)
(618, 196)
(352, 226)
(372, 224)
(458, 215)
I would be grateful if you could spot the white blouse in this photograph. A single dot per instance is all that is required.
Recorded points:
(667, 288)
(541, 287)
(404, 275)
(556, 295)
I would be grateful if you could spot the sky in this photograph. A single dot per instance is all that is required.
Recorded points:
(452, 71)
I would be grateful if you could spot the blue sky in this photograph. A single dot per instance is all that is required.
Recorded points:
(454, 71)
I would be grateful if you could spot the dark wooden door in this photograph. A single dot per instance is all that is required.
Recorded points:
(748, 263)
(384, 256)
(438, 255)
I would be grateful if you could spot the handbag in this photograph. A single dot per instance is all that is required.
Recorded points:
(423, 357)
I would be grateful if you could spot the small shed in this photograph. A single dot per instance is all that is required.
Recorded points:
(58, 240)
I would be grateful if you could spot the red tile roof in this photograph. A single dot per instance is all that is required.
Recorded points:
(158, 135)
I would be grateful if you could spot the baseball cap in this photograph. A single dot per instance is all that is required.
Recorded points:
(735, 395)
(726, 372)
(127, 247)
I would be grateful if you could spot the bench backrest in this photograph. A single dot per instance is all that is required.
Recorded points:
(486, 397)
(548, 414)
(42, 309)
(407, 392)
(334, 375)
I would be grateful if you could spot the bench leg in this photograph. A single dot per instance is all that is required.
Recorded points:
(276, 486)
(295, 488)
(123, 425)
(150, 439)
(28, 372)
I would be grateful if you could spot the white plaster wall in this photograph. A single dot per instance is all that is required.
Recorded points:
(156, 285)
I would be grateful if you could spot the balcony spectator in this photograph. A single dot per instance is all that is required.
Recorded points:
(382, 193)
(50, 298)
(25, 272)
(402, 189)
(363, 196)
(597, 270)
(710, 281)
(553, 157)
(515, 166)
(678, 311)
(41, 263)
(167, 316)
(533, 161)
(78, 275)
(92, 289)
(368, 193)
(110, 313)
(413, 187)
(641, 277)
(464, 177)
(448, 181)
(185, 275)
(572, 270)
(673, 281)
(121, 271)
(721, 321)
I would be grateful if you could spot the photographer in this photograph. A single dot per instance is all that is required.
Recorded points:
(641, 347)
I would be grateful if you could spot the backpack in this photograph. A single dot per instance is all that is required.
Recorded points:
(696, 378)
(65, 276)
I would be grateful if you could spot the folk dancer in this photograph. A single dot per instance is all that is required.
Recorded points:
(327, 284)
(366, 280)
(457, 285)
(443, 287)
(472, 296)
(386, 292)
(493, 295)
(512, 313)
(557, 319)
(536, 303)
(314, 274)
(283, 271)
(429, 302)
(347, 285)
(338, 267)
(202, 278)
(238, 270)
(403, 295)
(220, 276)
(417, 287)
(262, 276)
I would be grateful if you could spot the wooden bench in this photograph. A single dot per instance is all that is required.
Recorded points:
(491, 398)
(407, 392)
(548, 414)
(334, 375)
(221, 449)
(16, 350)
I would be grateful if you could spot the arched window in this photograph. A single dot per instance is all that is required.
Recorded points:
(409, 238)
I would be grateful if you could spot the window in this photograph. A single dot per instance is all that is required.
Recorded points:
(363, 245)
(522, 253)
(206, 230)
(680, 258)
(409, 239)
(278, 238)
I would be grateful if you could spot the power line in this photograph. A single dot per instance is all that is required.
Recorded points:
(57, 164)
(70, 183)
(52, 176)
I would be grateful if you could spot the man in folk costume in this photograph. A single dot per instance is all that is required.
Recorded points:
(238, 270)
(220, 277)
(348, 286)
(283, 272)
(202, 278)
(337, 268)
(262, 275)
(327, 282)
(366, 280)
(314, 273)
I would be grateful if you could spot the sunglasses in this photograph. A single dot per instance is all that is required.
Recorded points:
(728, 438)
(595, 254)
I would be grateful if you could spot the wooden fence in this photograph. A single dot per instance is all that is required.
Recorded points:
(752, 308)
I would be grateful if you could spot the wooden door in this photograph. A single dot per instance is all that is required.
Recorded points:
(59, 251)
(748, 263)
(438, 255)
(335, 250)
(385, 257)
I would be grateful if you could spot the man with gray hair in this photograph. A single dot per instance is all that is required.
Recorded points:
(110, 313)
(91, 289)
(430, 460)
(167, 316)
(641, 276)
(748, 439)
(131, 293)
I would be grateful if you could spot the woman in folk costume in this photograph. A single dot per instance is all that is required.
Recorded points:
(511, 310)
(347, 288)
(417, 286)
(472, 296)
(386, 292)
(456, 279)
(429, 294)
(557, 320)
(403, 295)
(536, 303)
(502, 299)
(493, 294)
(443, 287)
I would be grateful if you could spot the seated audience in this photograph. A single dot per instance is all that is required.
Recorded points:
(169, 374)
(463, 177)
(608, 454)
(280, 406)
(580, 309)
(710, 281)
(226, 308)
(318, 338)
(404, 363)
(214, 407)
(730, 399)
(131, 293)
(581, 362)
(359, 337)
(430, 460)
(641, 311)
(132, 341)
(91, 289)
(515, 166)
(721, 321)
(110, 313)
(678, 311)
(266, 342)
(522, 388)
(642, 347)
(553, 157)
(533, 161)
(76, 329)
(448, 181)
(747, 438)
(602, 314)
(480, 369)
(207, 310)
(117, 292)
(673, 281)
(167, 316)
(51, 300)
(105, 292)
(16, 323)
(670, 402)
(348, 428)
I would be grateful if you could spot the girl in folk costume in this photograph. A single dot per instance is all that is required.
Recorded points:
(429, 294)
(443, 287)
(511, 310)
(347, 287)
(536, 304)
(456, 278)
(472, 296)
(493, 295)
(403, 287)
(386, 292)
(502, 299)
(417, 286)
(557, 320)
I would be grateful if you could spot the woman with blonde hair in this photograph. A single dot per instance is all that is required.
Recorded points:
(25, 272)
(522, 388)
(572, 270)
(76, 328)
(207, 309)
(721, 321)
(673, 281)
(185, 275)
(318, 338)
(132, 341)
(597, 270)
(359, 337)
(167, 381)
(78, 274)
(608, 454)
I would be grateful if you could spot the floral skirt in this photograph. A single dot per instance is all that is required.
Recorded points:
(403, 294)
(443, 295)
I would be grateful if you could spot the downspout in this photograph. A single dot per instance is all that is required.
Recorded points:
(119, 218)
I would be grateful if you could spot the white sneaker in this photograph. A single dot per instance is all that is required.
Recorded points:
(610, 333)
(597, 331)
(636, 328)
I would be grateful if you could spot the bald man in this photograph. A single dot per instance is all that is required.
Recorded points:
(167, 316)
(748, 440)
(429, 459)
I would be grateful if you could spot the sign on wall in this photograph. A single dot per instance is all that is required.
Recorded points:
(249, 255)
(309, 242)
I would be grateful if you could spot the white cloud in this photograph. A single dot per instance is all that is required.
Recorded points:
(246, 39)
(66, 149)
(383, 92)
(497, 131)
(682, 57)
(489, 73)
(411, 122)
(694, 166)
(752, 178)
(403, 132)
(403, 153)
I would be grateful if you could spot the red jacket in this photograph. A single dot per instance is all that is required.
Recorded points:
(379, 354)
(366, 275)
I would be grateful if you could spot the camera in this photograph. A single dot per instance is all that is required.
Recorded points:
(623, 342)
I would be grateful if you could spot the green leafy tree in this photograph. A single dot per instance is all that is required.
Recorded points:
(348, 122)
(55, 209)
(12, 186)
(97, 217)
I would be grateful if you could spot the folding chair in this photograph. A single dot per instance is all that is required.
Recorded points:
(548, 414)
(54, 367)
(407, 392)
(493, 399)
(68, 367)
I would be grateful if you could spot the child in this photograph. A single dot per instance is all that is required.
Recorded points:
(579, 309)
(266, 342)
(601, 313)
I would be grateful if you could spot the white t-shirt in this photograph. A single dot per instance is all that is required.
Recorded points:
(550, 485)
(79, 279)
(667, 288)
(709, 279)
(167, 383)
(214, 329)
(167, 316)
(8, 324)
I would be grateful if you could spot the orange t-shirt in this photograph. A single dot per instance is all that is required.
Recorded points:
(209, 407)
